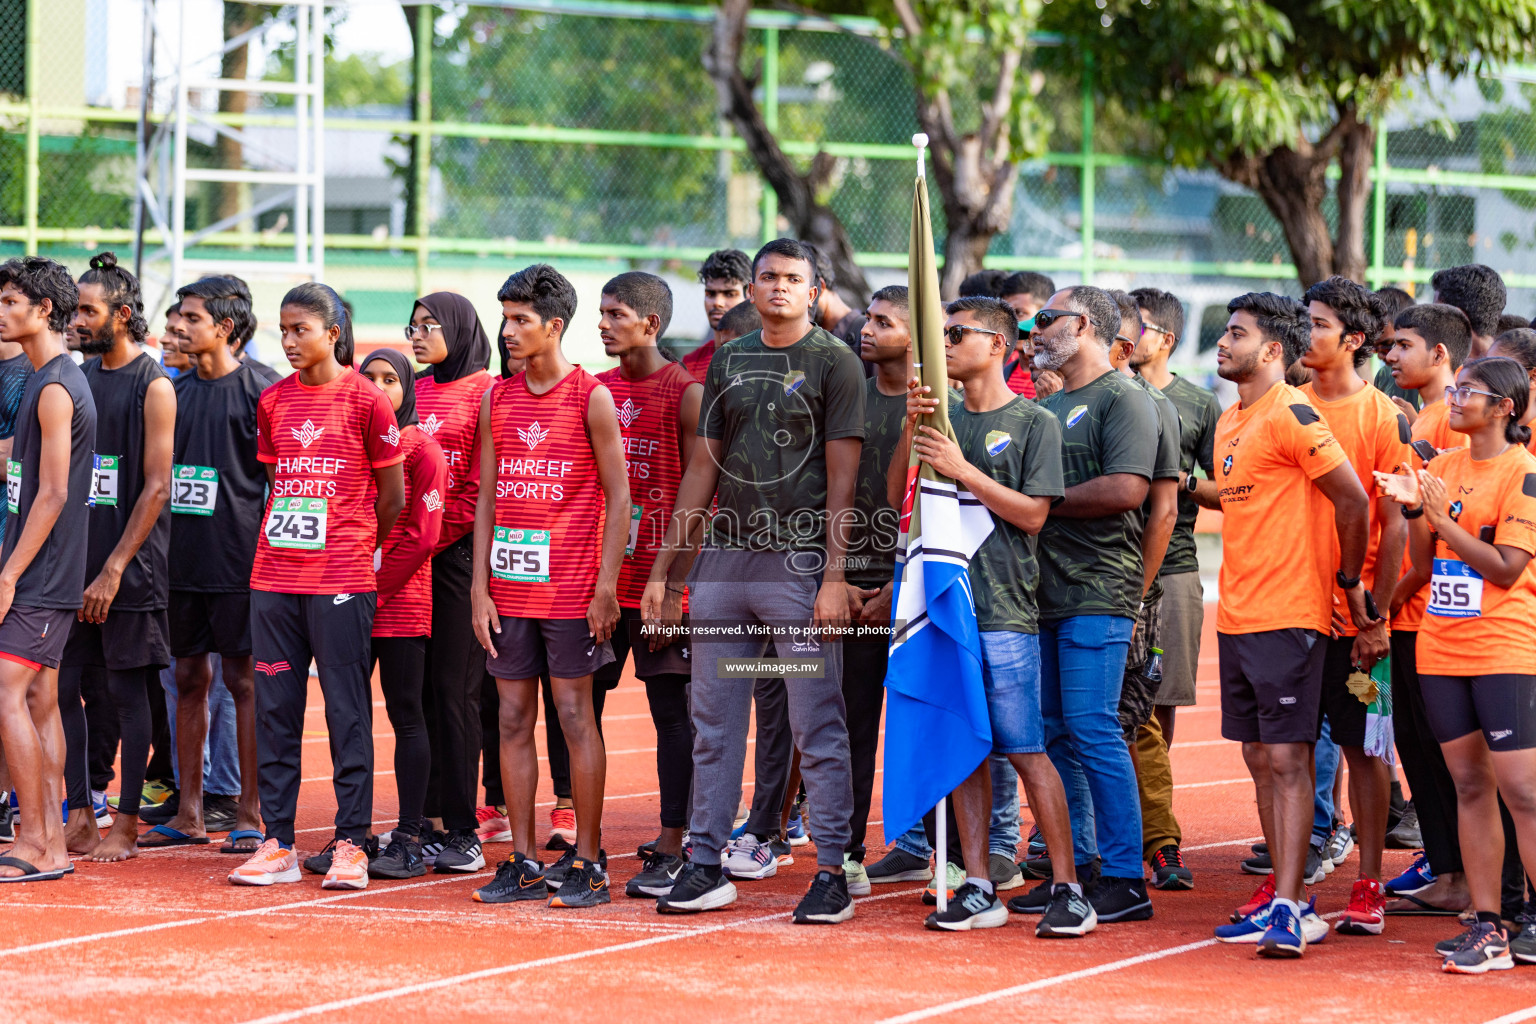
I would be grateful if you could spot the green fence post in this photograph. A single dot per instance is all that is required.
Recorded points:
(423, 225)
(771, 119)
(30, 183)
(1378, 272)
(1086, 181)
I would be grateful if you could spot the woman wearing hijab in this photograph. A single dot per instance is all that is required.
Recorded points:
(446, 336)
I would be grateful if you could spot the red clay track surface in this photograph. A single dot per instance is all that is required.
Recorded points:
(165, 937)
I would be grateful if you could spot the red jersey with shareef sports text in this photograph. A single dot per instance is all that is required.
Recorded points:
(405, 565)
(546, 544)
(319, 529)
(653, 455)
(450, 414)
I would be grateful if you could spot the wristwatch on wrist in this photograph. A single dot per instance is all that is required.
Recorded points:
(1191, 482)
(1346, 582)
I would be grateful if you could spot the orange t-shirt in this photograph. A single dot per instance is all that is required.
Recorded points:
(1276, 571)
(1433, 425)
(1374, 436)
(1471, 627)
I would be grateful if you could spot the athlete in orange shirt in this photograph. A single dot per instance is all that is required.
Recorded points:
(1277, 462)
(1474, 520)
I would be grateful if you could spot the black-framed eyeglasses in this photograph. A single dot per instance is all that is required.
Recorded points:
(425, 330)
(1045, 317)
(1463, 394)
(955, 333)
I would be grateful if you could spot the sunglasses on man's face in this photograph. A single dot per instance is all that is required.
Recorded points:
(1046, 317)
(955, 333)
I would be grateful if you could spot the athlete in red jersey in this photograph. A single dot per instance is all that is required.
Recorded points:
(726, 275)
(403, 622)
(446, 336)
(332, 449)
(658, 404)
(550, 530)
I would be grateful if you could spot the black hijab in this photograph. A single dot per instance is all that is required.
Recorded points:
(406, 414)
(469, 350)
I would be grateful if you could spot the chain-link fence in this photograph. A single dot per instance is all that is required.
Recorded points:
(591, 131)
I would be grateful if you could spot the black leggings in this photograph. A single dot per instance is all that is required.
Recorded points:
(402, 662)
(77, 780)
(130, 692)
(668, 697)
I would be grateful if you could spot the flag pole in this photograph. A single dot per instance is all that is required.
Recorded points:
(940, 822)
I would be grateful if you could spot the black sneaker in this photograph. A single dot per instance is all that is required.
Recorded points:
(400, 859)
(1259, 863)
(898, 866)
(1035, 868)
(517, 880)
(781, 850)
(1522, 945)
(827, 901)
(1003, 873)
(1168, 870)
(432, 842)
(7, 821)
(1485, 949)
(460, 854)
(320, 863)
(1445, 947)
(555, 876)
(698, 887)
(220, 813)
(1036, 843)
(585, 885)
(162, 813)
(1038, 899)
(656, 876)
(1069, 916)
(972, 907)
(1407, 835)
(1121, 899)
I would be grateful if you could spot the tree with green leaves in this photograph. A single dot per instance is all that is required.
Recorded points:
(1272, 94)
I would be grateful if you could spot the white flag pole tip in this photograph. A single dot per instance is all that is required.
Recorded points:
(920, 140)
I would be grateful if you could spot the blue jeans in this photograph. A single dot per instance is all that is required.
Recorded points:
(221, 751)
(1327, 754)
(1002, 833)
(1082, 668)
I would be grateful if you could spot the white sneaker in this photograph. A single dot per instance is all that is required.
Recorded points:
(749, 858)
(858, 878)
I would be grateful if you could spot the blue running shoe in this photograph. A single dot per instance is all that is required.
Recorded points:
(1417, 878)
(795, 834)
(1249, 930)
(1283, 938)
(739, 831)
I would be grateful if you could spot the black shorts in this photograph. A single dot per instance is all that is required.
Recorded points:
(1345, 713)
(527, 648)
(127, 640)
(1502, 706)
(671, 660)
(1271, 685)
(210, 624)
(36, 637)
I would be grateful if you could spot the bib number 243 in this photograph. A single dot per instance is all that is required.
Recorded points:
(297, 523)
(520, 556)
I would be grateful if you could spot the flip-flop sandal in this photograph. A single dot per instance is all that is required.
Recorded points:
(235, 837)
(1416, 908)
(171, 837)
(29, 872)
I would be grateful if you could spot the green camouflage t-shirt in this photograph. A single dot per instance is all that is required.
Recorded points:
(1018, 445)
(1166, 466)
(1387, 385)
(1198, 413)
(872, 541)
(1093, 566)
(774, 410)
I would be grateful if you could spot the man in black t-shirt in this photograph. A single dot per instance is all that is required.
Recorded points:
(42, 564)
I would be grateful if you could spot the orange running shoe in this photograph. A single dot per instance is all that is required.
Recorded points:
(270, 863)
(1367, 909)
(562, 825)
(349, 867)
(493, 825)
(1262, 895)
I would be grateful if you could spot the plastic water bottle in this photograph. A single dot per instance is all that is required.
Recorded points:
(1154, 669)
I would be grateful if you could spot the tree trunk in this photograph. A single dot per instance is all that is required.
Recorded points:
(813, 221)
(238, 18)
(965, 246)
(1356, 155)
(1293, 184)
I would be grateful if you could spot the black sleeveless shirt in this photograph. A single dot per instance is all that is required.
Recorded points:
(117, 480)
(56, 577)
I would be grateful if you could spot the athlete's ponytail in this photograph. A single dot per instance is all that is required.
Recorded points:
(120, 288)
(1507, 379)
(323, 302)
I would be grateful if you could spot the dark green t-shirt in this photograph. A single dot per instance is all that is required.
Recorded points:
(774, 410)
(1019, 446)
(1166, 466)
(1387, 386)
(872, 544)
(1198, 413)
(1093, 566)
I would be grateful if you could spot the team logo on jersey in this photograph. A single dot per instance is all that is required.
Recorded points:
(533, 435)
(308, 434)
(431, 423)
(1077, 413)
(998, 442)
(393, 437)
(1226, 465)
(792, 381)
(1455, 511)
(272, 668)
(432, 500)
(628, 413)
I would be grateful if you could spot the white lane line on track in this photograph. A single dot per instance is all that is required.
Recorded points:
(1043, 983)
(529, 965)
(1218, 782)
(1230, 842)
(219, 915)
(1515, 1017)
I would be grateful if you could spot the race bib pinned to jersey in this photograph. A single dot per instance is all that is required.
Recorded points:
(1455, 590)
(12, 486)
(520, 556)
(635, 515)
(297, 523)
(194, 490)
(104, 479)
